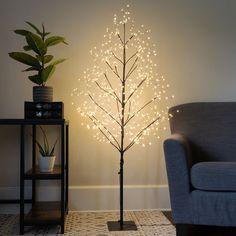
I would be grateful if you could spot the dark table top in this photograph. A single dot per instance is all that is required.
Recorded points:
(33, 121)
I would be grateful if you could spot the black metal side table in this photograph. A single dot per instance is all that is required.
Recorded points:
(42, 213)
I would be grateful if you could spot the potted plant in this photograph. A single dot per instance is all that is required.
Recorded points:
(37, 43)
(46, 158)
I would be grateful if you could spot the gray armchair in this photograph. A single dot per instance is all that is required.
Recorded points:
(201, 164)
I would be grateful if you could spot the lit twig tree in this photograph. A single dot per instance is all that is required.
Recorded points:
(123, 93)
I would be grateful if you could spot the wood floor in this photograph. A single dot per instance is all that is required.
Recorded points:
(193, 230)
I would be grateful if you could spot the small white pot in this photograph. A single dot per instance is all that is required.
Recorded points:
(46, 163)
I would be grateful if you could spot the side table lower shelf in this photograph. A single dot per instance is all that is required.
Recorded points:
(44, 213)
(34, 173)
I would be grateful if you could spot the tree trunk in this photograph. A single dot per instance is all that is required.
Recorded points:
(121, 188)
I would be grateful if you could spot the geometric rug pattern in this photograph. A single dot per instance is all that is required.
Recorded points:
(149, 223)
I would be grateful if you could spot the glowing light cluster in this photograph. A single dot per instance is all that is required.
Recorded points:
(123, 94)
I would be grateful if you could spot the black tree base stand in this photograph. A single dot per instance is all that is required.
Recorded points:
(116, 226)
(121, 225)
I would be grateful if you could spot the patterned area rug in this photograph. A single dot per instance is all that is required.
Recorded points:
(149, 223)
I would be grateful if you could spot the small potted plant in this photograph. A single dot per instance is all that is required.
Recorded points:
(46, 158)
(39, 61)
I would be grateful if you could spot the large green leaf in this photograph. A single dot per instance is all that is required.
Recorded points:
(36, 43)
(54, 40)
(45, 141)
(48, 58)
(35, 28)
(22, 32)
(41, 150)
(25, 58)
(53, 148)
(27, 48)
(47, 72)
(58, 61)
(35, 79)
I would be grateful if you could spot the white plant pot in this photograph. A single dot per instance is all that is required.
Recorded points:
(46, 163)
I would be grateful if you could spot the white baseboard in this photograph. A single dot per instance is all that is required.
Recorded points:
(96, 198)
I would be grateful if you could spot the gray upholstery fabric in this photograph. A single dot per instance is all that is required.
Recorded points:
(213, 208)
(178, 171)
(201, 132)
(214, 176)
(209, 127)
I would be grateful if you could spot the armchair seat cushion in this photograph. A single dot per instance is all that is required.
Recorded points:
(214, 176)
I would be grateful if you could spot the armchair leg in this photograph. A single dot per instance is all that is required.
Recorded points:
(181, 230)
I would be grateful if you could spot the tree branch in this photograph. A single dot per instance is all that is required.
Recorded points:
(132, 57)
(104, 133)
(128, 111)
(120, 38)
(114, 71)
(131, 72)
(104, 90)
(129, 39)
(139, 85)
(117, 58)
(108, 81)
(104, 110)
(118, 109)
(132, 69)
(145, 105)
(137, 136)
(106, 129)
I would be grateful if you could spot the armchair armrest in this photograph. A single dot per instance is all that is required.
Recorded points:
(178, 163)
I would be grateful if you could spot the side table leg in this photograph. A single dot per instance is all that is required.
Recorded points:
(67, 168)
(33, 162)
(62, 228)
(22, 169)
(62, 177)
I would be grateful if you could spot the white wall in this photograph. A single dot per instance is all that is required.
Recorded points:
(196, 52)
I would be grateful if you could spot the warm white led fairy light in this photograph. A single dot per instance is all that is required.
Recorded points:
(122, 94)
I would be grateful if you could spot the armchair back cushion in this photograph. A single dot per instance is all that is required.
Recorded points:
(209, 127)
